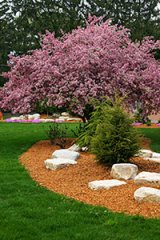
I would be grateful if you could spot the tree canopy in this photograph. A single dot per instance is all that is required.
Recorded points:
(93, 61)
(22, 20)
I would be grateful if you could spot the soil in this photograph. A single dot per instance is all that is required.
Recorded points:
(72, 181)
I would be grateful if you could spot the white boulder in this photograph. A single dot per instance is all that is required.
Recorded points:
(105, 184)
(66, 154)
(30, 117)
(75, 148)
(144, 153)
(155, 155)
(65, 114)
(58, 163)
(36, 116)
(84, 149)
(22, 117)
(147, 194)
(63, 118)
(151, 178)
(124, 171)
(74, 119)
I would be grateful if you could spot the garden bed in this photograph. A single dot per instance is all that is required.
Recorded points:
(73, 181)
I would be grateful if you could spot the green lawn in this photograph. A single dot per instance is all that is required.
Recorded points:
(31, 212)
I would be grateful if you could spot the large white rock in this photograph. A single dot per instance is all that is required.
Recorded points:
(157, 160)
(147, 194)
(63, 118)
(75, 148)
(36, 116)
(22, 117)
(58, 163)
(124, 171)
(144, 153)
(74, 119)
(65, 114)
(66, 154)
(30, 117)
(105, 184)
(155, 155)
(151, 178)
(47, 120)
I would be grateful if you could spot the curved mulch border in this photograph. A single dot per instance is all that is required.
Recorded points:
(73, 180)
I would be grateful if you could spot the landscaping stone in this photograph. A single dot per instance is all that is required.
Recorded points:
(47, 120)
(74, 119)
(105, 184)
(58, 163)
(147, 194)
(66, 154)
(155, 155)
(65, 114)
(124, 171)
(144, 153)
(63, 118)
(75, 148)
(84, 149)
(151, 178)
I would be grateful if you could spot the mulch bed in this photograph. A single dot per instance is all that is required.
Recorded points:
(145, 126)
(73, 180)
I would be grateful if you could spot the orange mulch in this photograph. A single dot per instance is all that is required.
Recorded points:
(145, 126)
(73, 181)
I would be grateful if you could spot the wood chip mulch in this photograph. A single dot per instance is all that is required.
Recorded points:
(73, 181)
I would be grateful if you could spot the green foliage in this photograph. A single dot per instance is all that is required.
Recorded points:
(96, 118)
(42, 107)
(57, 134)
(110, 135)
(138, 115)
(148, 122)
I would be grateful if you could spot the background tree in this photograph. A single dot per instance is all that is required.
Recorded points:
(22, 20)
(91, 62)
(140, 16)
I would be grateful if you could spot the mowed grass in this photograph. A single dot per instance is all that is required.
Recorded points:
(31, 212)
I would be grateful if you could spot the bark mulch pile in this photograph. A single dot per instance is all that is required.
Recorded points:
(73, 181)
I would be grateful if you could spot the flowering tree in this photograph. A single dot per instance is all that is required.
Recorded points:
(91, 62)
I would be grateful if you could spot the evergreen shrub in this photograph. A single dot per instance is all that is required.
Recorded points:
(110, 135)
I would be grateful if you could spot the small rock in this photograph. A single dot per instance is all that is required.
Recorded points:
(55, 115)
(124, 171)
(148, 178)
(75, 148)
(144, 153)
(84, 149)
(105, 184)
(58, 163)
(147, 194)
(66, 154)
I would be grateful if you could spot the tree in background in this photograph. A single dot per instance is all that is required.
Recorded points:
(91, 62)
(22, 20)
(140, 16)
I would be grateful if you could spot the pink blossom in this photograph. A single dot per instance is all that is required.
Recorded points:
(91, 62)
